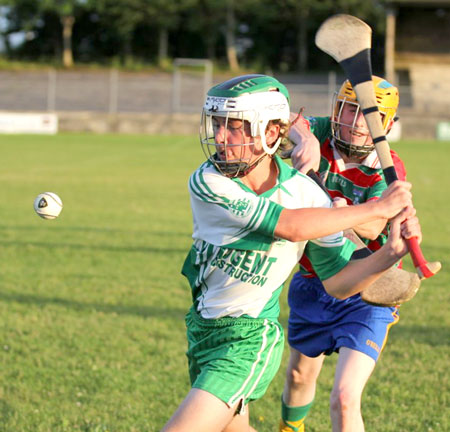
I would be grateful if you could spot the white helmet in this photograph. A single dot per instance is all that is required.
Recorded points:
(256, 99)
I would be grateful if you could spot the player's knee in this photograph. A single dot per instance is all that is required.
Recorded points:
(345, 401)
(298, 377)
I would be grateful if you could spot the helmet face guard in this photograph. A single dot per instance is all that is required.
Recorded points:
(219, 153)
(345, 146)
(253, 100)
(387, 101)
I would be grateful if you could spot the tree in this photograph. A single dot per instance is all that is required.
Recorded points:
(215, 23)
(261, 34)
(205, 20)
(219, 20)
(66, 10)
(166, 16)
(122, 17)
(230, 37)
(19, 16)
(127, 15)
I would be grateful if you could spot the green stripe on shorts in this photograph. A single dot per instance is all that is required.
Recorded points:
(233, 358)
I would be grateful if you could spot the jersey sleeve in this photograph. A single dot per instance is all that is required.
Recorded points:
(399, 166)
(377, 189)
(328, 258)
(329, 254)
(320, 127)
(224, 214)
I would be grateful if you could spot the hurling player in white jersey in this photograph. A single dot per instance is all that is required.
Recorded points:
(253, 218)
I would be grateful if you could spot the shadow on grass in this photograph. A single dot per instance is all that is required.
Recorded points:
(98, 229)
(160, 312)
(6, 412)
(427, 335)
(90, 246)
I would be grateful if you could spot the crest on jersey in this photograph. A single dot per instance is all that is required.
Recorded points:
(358, 196)
(240, 207)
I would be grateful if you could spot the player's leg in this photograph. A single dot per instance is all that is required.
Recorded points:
(234, 359)
(308, 339)
(301, 376)
(240, 422)
(352, 372)
(299, 389)
(200, 411)
(361, 334)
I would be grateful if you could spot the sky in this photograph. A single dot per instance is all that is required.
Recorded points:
(15, 39)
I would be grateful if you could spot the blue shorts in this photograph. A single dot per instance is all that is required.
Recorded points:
(320, 323)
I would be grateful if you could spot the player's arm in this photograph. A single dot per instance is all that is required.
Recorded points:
(310, 223)
(368, 230)
(371, 230)
(359, 274)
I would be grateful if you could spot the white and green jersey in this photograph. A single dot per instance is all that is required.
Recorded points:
(236, 267)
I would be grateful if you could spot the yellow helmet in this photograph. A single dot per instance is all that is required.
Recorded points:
(387, 98)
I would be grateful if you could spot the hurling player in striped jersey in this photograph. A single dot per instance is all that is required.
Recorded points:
(341, 150)
(253, 217)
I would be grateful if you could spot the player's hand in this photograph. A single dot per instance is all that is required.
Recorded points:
(306, 157)
(394, 199)
(410, 226)
(404, 226)
(306, 153)
(339, 202)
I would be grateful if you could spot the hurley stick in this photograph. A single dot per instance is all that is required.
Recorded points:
(348, 40)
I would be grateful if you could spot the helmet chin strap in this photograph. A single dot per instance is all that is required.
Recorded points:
(237, 169)
(253, 165)
(353, 151)
(266, 148)
(268, 151)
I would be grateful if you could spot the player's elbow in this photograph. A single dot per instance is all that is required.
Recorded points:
(372, 234)
(290, 229)
(291, 235)
(371, 231)
(334, 289)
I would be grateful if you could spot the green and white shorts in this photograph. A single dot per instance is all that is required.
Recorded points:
(235, 359)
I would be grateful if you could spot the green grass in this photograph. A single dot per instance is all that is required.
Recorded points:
(92, 304)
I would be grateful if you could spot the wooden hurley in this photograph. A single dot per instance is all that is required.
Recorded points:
(348, 40)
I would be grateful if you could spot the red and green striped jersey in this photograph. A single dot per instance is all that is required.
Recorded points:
(355, 182)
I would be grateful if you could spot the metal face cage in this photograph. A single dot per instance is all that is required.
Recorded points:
(224, 144)
(346, 147)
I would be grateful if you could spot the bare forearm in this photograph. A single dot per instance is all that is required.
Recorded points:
(359, 274)
(311, 223)
(370, 230)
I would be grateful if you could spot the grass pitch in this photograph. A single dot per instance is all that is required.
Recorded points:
(92, 304)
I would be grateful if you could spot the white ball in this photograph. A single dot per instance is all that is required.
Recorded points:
(48, 205)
